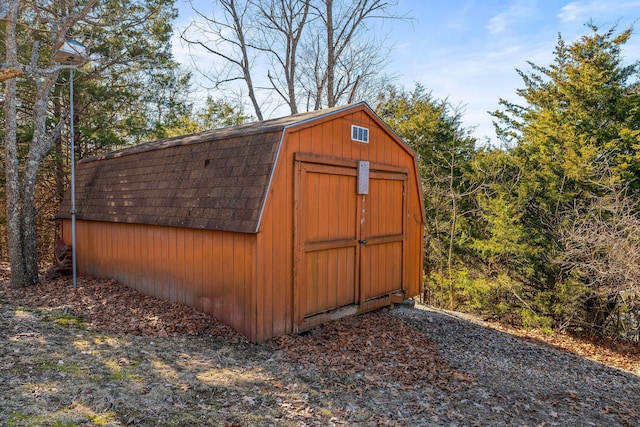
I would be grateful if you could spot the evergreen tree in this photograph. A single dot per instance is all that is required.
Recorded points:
(576, 136)
(132, 89)
(444, 148)
(214, 114)
(118, 100)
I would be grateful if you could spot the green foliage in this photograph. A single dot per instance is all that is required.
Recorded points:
(17, 417)
(476, 293)
(220, 113)
(486, 295)
(576, 137)
(507, 245)
(131, 90)
(532, 320)
(433, 129)
(547, 240)
(66, 319)
(214, 114)
(49, 364)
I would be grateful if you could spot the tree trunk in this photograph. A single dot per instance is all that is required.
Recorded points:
(21, 208)
(21, 179)
(58, 153)
(330, 55)
(41, 143)
(245, 61)
(14, 239)
(28, 233)
(454, 219)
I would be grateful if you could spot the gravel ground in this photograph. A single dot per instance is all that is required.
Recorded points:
(66, 360)
(517, 382)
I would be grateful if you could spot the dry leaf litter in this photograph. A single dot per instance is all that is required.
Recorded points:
(103, 354)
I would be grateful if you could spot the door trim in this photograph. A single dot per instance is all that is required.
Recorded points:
(347, 163)
(300, 245)
(303, 163)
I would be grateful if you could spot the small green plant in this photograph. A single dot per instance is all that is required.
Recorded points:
(66, 319)
(47, 364)
(536, 321)
(16, 417)
(102, 419)
(20, 419)
(120, 375)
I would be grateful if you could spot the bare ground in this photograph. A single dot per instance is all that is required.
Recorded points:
(103, 354)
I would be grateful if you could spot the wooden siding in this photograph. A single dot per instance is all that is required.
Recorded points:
(327, 239)
(383, 270)
(328, 140)
(215, 179)
(249, 280)
(213, 271)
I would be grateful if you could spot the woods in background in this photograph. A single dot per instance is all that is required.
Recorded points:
(302, 54)
(130, 91)
(543, 230)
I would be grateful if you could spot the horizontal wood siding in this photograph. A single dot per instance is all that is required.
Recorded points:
(213, 271)
(327, 137)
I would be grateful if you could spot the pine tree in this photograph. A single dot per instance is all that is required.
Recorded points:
(433, 129)
(575, 137)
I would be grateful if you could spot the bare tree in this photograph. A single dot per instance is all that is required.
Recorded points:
(602, 251)
(21, 179)
(286, 20)
(11, 152)
(230, 37)
(307, 53)
(352, 54)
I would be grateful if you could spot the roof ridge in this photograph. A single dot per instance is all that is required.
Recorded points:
(219, 134)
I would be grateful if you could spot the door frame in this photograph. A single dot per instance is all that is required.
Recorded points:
(367, 234)
(299, 321)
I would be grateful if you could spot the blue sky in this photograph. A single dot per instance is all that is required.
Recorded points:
(468, 50)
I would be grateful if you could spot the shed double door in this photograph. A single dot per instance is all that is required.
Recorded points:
(349, 246)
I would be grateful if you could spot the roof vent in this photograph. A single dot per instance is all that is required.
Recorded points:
(359, 133)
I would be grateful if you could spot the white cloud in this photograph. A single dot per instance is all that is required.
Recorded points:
(478, 79)
(468, 53)
(583, 10)
(571, 12)
(513, 15)
(498, 23)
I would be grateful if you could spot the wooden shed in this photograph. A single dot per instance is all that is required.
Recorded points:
(271, 227)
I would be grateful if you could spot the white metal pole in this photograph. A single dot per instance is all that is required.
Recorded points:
(73, 179)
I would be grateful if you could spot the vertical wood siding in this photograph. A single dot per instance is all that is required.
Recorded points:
(330, 138)
(247, 280)
(213, 271)
(385, 231)
(328, 229)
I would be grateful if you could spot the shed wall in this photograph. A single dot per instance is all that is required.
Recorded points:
(330, 138)
(247, 280)
(213, 271)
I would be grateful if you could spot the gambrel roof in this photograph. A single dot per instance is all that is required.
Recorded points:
(216, 179)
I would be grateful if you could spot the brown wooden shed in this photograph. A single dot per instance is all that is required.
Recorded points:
(271, 227)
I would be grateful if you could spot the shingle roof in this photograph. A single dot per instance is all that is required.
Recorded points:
(216, 179)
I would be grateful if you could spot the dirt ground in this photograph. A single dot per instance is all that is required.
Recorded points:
(104, 355)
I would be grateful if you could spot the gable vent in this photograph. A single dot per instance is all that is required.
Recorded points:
(359, 133)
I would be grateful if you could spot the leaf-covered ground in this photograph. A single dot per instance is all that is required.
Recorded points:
(103, 354)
